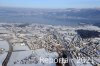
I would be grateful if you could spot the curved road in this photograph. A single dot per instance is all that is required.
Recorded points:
(5, 62)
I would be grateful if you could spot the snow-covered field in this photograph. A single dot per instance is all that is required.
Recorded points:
(19, 47)
(4, 45)
(2, 57)
(19, 56)
(39, 64)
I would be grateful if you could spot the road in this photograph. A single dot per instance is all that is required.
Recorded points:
(67, 52)
(5, 62)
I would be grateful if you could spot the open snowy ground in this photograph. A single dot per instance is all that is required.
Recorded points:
(18, 47)
(19, 56)
(2, 57)
(4, 45)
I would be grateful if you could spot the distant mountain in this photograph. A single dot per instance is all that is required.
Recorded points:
(50, 16)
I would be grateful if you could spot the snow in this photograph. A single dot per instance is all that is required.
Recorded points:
(44, 53)
(97, 59)
(4, 45)
(2, 28)
(2, 57)
(80, 63)
(18, 56)
(20, 47)
(39, 64)
(4, 31)
(92, 27)
(89, 27)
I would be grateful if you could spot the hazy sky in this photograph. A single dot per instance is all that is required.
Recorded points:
(51, 3)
